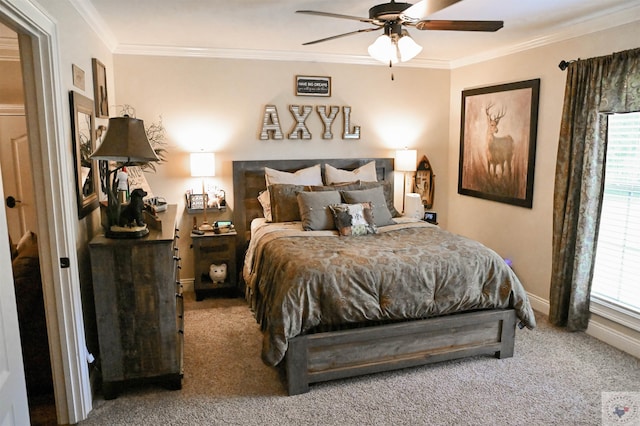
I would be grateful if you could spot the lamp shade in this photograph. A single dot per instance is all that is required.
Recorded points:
(408, 48)
(394, 48)
(383, 50)
(126, 141)
(203, 164)
(413, 206)
(406, 160)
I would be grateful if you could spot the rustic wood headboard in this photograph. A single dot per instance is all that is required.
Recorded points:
(248, 182)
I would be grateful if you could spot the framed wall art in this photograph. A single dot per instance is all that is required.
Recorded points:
(100, 94)
(498, 142)
(313, 86)
(78, 76)
(84, 141)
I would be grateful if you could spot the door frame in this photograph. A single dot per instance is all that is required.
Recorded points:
(57, 220)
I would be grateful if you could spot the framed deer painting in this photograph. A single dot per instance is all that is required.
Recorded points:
(498, 142)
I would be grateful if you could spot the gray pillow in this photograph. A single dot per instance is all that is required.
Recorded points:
(381, 213)
(387, 188)
(314, 209)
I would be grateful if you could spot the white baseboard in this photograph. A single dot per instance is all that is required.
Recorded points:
(619, 340)
(187, 284)
(539, 304)
(615, 338)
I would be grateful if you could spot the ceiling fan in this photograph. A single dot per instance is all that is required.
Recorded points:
(395, 45)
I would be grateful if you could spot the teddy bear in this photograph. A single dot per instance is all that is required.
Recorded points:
(132, 212)
(218, 273)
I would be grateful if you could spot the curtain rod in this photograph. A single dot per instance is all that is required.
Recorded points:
(564, 64)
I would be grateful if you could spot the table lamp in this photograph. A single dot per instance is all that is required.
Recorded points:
(406, 161)
(125, 143)
(203, 164)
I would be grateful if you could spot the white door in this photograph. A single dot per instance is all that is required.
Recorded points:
(14, 408)
(26, 208)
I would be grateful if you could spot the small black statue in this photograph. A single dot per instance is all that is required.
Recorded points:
(132, 213)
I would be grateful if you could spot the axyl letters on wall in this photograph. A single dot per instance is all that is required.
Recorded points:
(271, 122)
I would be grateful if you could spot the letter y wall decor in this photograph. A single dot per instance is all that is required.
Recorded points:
(271, 128)
(308, 86)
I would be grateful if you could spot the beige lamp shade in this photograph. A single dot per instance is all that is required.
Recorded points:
(413, 206)
(406, 160)
(203, 164)
(126, 142)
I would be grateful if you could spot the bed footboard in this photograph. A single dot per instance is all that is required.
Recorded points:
(335, 355)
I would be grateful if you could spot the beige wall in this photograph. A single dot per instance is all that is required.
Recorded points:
(218, 105)
(522, 234)
(78, 44)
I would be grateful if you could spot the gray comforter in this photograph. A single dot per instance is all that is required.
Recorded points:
(298, 281)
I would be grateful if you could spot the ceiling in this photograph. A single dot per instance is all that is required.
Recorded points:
(270, 29)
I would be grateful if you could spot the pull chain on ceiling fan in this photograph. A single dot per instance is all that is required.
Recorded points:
(395, 45)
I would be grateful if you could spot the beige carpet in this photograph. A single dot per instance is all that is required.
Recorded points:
(554, 378)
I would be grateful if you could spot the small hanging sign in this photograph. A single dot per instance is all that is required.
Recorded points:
(313, 86)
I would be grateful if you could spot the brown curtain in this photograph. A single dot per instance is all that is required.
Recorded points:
(595, 87)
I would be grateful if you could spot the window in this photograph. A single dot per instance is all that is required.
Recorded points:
(616, 281)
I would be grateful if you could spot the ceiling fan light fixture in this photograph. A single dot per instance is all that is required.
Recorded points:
(408, 48)
(384, 50)
(394, 48)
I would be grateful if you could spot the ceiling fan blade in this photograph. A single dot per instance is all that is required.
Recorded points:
(365, 30)
(335, 15)
(489, 26)
(424, 8)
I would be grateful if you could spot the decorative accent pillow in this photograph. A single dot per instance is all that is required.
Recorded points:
(353, 219)
(363, 173)
(284, 202)
(387, 189)
(264, 198)
(376, 197)
(309, 176)
(314, 209)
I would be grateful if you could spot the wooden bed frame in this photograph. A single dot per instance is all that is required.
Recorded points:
(333, 355)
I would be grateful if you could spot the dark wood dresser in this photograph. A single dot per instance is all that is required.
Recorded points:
(139, 307)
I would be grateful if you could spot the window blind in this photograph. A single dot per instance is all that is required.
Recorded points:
(617, 266)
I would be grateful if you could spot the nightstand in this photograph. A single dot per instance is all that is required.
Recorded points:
(211, 248)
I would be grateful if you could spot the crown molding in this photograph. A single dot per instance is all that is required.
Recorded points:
(571, 30)
(266, 55)
(94, 20)
(11, 109)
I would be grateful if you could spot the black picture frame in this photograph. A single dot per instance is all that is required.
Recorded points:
(100, 93)
(498, 134)
(84, 144)
(313, 86)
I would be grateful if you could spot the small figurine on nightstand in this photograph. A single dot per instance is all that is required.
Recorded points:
(218, 273)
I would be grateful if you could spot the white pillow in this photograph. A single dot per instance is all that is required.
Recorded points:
(309, 176)
(366, 173)
(264, 198)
